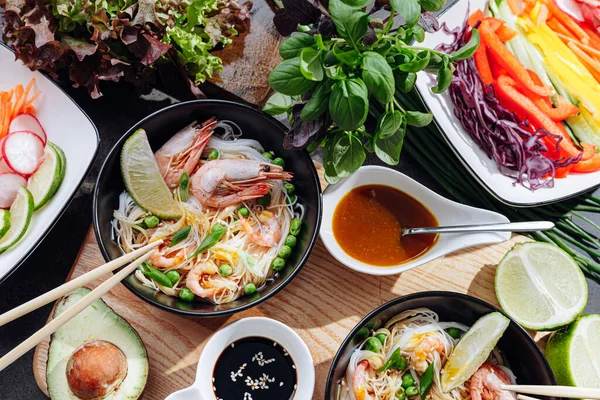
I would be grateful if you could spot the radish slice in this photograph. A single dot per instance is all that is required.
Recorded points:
(28, 122)
(3, 167)
(9, 186)
(23, 152)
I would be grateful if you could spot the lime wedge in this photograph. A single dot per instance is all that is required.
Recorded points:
(4, 222)
(63, 158)
(540, 286)
(473, 349)
(44, 183)
(574, 353)
(143, 179)
(20, 217)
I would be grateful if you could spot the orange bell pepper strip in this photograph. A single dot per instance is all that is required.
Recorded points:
(557, 27)
(516, 6)
(483, 64)
(505, 33)
(560, 113)
(475, 18)
(510, 94)
(509, 62)
(590, 165)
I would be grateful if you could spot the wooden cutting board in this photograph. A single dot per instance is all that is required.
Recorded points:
(323, 303)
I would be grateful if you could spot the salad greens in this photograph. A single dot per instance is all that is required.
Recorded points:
(121, 39)
(346, 58)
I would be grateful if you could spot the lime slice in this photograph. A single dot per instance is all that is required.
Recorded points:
(4, 222)
(540, 286)
(574, 353)
(473, 349)
(63, 160)
(20, 217)
(143, 179)
(44, 183)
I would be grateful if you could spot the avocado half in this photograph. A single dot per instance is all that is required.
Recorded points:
(96, 355)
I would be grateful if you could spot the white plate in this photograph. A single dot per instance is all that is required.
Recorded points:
(67, 126)
(446, 211)
(473, 158)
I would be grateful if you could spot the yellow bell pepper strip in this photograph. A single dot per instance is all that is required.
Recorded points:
(508, 61)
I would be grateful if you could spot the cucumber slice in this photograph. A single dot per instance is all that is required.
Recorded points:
(20, 218)
(44, 183)
(4, 222)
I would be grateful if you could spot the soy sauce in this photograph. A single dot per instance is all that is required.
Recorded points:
(255, 368)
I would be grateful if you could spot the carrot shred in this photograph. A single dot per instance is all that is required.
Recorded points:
(14, 102)
(567, 21)
(594, 36)
(559, 28)
(516, 6)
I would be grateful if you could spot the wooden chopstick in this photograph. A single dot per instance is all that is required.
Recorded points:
(68, 287)
(523, 397)
(555, 391)
(63, 318)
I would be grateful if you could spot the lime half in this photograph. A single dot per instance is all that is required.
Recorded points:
(574, 353)
(44, 183)
(473, 349)
(4, 222)
(143, 179)
(20, 217)
(540, 286)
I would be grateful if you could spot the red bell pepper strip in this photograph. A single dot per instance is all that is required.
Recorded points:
(505, 33)
(483, 65)
(560, 113)
(475, 18)
(509, 62)
(497, 70)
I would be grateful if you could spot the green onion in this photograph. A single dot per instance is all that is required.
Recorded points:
(211, 239)
(184, 186)
(180, 235)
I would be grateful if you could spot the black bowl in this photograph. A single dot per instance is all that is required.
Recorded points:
(525, 358)
(163, 124)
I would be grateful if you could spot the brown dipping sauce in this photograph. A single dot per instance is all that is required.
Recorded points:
(368, 221)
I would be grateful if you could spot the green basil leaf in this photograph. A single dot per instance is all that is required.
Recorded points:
(317, 104)
(409, 9)
(426, 381)
(346, 55)
(274, 111)
(292, 46)
(348, 154)
(330, 172)
(418, 119)
(383, 47)
(349, 103)
(435, 62)
(351, 23)
(468, 49)
(286, 78)
(357, 3)
(432, 5)
(389, 123)
(335, 72)
(416, 65)
(444, 77)
(418, 33)
(405, 81)
(310, 64)
(388, 150)
(378, 76)
(278, 104)
(319, 41)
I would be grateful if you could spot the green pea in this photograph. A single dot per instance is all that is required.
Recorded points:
(407, 380)
(268, 155)
(373, 344)
(225, 270)
(265, 200)
(285, 252)
(292, 199)
(142, 225)
(186, 295)
(295, 226)
(279, 161)
(400, 395)
(213, 155)
(277, 264)
(290, 241)
(381, 337)
(243, 211)
(173, 276)
(250, 288)
(453, 332)
(289, 188)
(151, 221)
(412, 391)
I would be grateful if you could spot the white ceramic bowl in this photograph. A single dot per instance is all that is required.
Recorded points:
(446, 211)
(202, 389)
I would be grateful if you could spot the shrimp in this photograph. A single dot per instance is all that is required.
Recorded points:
(221, 183)
(162, 258)
(359, 381)
(426, 346)
(486, 382)
(268, 238)
(182, 152)
(197, 280)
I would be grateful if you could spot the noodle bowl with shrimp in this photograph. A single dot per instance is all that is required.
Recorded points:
(234, 186)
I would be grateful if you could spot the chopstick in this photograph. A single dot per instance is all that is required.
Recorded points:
(555, 391)
(523, 397)
(68, 287)
(63, 318)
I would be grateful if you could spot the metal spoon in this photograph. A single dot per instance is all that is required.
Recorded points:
(504, 227)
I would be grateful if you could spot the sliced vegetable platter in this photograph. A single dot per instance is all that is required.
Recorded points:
(46, 151)
(485, 169)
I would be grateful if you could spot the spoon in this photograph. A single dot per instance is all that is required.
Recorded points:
(505, 227)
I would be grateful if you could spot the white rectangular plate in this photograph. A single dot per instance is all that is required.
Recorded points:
(474, 159)
(67, 126)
